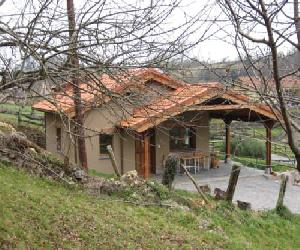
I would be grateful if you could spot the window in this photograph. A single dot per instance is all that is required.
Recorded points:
(58, 139)
(182, 139)
(104, 141)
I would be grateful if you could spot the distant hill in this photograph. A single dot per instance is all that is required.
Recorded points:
(194, 71)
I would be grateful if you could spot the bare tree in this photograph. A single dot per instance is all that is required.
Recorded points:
(74, 46)
(262, 28)
(74, 63)
(297, 21)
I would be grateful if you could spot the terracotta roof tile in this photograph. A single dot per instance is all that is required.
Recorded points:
(63, 102)
(184, 98)
(179, 99)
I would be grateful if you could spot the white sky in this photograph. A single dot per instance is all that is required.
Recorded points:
(212, 50)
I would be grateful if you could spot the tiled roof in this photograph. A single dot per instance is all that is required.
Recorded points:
(63, 101)
(184, 99)
(181, 97)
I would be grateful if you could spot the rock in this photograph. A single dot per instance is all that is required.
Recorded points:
(196, 203)
(131, 178)
(12, 155)
(5, 159)
(4, 150)
(204, 224)
(220, 194)
(5, 127)
(19, 163)
(174, 204)
(205, 188)
(110, 186)
(295, 178)
(32, 150)
(79, 174)
(244, 205)
(268, 171)
(61, 174)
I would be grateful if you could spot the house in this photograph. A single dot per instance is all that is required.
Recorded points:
(252, 85)
(145, 114)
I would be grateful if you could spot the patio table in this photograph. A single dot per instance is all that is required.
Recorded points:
(194, 160)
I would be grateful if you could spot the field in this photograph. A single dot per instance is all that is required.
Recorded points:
(12, 117)
(38, 213)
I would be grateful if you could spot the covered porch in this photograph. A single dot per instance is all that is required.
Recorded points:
(195, 153)
(180, 124)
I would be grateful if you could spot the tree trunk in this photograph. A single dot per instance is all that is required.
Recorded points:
(297, 21)
(195, 184)
(113, 160)
(278, 85)
(297, 27)
(284, 180)
(232, 182)
(297, 162)
(74, 61)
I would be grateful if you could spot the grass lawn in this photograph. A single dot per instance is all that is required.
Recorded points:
(13, 107)
(43, 214)
(12, 119)
(257, 163)
(260, 164)
(261, 131)
(94, 172)
(257, 131)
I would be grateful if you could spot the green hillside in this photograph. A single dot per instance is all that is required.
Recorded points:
(38, 213)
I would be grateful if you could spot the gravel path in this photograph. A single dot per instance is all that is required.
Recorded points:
(252, 187)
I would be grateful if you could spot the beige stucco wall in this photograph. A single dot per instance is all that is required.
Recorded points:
(201, 121)
(53, 122)
(202, 133)
(162, 146)
(104, 120)
(96, 121)
(162, 138)
(128, 151)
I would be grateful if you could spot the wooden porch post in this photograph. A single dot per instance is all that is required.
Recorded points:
(268, 126)
(146, 155)
(122, 151)
(227, 141)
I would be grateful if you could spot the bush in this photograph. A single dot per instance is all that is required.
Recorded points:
(170, 170)
(161, 191)
(284, 212)
(248, 147)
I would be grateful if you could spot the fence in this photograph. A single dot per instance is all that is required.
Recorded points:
(23, 117)
(251, 161)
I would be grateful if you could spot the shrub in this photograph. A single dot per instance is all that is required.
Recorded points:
(284, 212)
(170, 170)
(248, 147)
(160, 190)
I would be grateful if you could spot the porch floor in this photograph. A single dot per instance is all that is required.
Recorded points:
(252, 187)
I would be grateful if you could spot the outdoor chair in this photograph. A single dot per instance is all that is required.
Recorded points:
(194, 161)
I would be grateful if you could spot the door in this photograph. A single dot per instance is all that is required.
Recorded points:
(145, 155)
